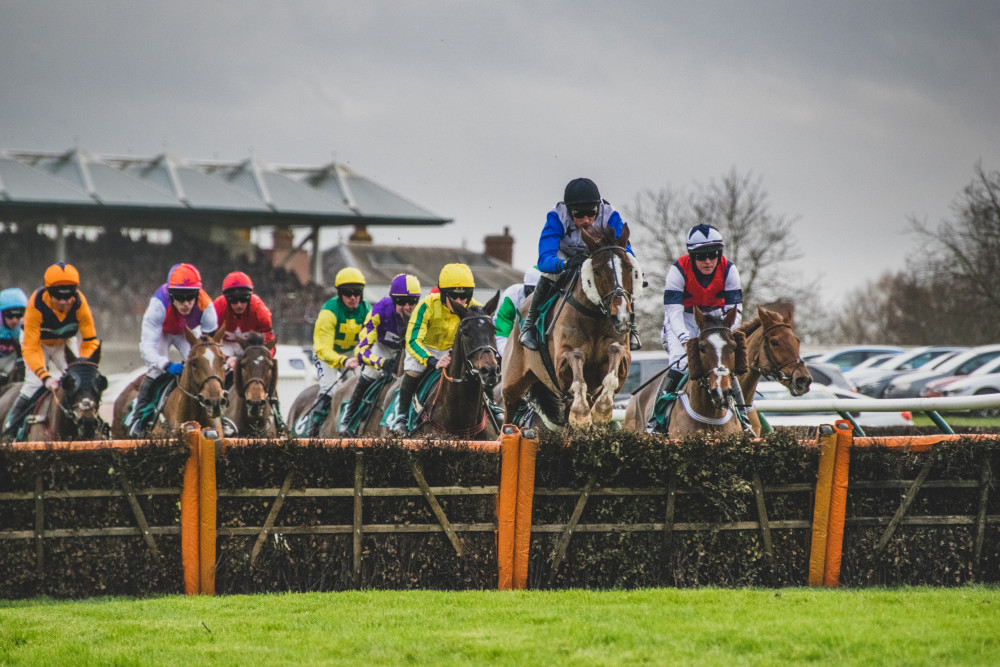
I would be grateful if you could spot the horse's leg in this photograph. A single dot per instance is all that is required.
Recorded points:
(605, 401)
(579, 411)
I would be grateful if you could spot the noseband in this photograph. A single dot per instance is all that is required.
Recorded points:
(776, 372)
(196, 395)
(471, 371)
(70, 414)
(618, 291)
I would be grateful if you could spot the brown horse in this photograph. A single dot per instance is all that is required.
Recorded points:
(71, 412)
(715, 357)
(587, 342)
(199, 395)
(255, 384)
(773, 353)
(303, 403)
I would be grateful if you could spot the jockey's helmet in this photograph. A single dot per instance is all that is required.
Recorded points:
(349, 276)
(62, 274)
(237, 285)
(404, 285)
(531, 276)
(456, 275)
(581, 191)
(184, 276)
(704, 238)
(13, 299)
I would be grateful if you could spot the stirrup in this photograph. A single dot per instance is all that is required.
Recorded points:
(529, 338)
(399, 427)
(633, 341)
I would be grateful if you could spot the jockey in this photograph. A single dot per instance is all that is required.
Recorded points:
(510, 306)
(431, 332)
(561, 246)
(54, 316)
(13, 303)
(177, 303)
(240, 312)
(704, 278)
(334, 338)
(381, 339)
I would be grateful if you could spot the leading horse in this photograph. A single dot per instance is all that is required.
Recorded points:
(773, 353)
(198, 396)
(715, 358)
(586, 355)
(71, 412)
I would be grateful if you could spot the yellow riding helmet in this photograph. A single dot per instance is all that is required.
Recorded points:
(62, 274)
(456, 275)
(348, 274)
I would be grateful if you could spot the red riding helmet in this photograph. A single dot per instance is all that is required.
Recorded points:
(237, 282)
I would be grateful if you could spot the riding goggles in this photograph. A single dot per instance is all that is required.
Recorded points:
(183, 296)
(458, 293)
(405, 300)
(11, 313)
(238, 298)
(62, 291)
(702, 256)
(578, 213)
(347, 293)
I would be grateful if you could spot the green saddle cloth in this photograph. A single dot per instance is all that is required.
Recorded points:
(428, 383)
(659, 421)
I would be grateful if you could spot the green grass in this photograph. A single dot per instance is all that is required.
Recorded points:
(956, 419)
(713, 626)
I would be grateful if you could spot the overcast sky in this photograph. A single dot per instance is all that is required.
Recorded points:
(855, 115)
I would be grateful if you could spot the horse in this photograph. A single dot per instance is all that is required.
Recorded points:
(69, 413)
(772, 347)
(199, 395)
(586, 354)
(303, 404)
(255, 384)
(715, 357)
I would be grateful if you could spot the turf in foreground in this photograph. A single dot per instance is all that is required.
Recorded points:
(908, 626)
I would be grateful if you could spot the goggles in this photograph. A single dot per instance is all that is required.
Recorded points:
(184, 296)
(238, 298)
(707, 254)
(405, 300)
(62, 292)
(348, 292)
(580, 213)
(12, 313)
(459, 293)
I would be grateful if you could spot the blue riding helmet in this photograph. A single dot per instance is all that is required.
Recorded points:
(13, 297)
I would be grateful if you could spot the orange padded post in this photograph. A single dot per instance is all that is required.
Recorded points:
(190, 546)
(525, 500)
(510, 440)
(207, 502)
(821, 506)
(838, 504)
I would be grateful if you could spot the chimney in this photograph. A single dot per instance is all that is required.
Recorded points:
(360, 235)
(500, 247)
(282, 239)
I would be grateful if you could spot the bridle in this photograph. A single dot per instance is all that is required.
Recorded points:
(85, 404)
(196, 395)
(720, 369)
(776, 372)
(470, 371)
(255, 408)
(604, 304)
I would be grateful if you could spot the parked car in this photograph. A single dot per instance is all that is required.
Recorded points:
(829, 375)
(909, 385)
(878, 361)
(977, 384)
(776, 392)
(873, 381)
(938, 387)
(848, 357)
(645, 364)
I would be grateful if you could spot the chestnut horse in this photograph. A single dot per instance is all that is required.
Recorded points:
(255, 383)
(70, 413)
(773, 353)
(587, 346)
(715, 357)
(198, 396)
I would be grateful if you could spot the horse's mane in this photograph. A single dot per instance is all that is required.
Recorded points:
(255, 338)
(749, 327)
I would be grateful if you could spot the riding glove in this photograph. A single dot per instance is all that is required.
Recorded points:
(176, 368)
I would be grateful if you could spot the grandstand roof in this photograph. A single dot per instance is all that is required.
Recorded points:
(169, 192)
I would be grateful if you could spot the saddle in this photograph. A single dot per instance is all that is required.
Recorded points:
(428, 384)
(39, 405)
(368, 401)
(659, 420)
(162, 386)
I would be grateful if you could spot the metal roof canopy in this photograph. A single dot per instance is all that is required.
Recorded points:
(76, 187)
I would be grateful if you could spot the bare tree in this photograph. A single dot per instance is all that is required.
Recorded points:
(758, 241)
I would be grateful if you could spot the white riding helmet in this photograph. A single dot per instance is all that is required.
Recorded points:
(531, 276)
(704, 237)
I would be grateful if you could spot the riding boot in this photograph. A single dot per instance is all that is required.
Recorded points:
(529, 336)
(406, 390)
(364, 382)
(673, 381)
(279, 423)
(657, 420)
(20, 410)
(319, 414)
(141, 401)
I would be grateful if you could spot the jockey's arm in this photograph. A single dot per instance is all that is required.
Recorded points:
(416, 330)
(324, 336)
(209, 320)
(734, 294)
(673, 304)
(366, 342)
(88, 332)
(31, 348)
(506, 315)
(150, 335)
(549, 260)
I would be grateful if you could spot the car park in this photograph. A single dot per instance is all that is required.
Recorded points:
(910, 385)
(847, 358)
(773, 391)
(873, 381)
(977, 384)
(939, 386)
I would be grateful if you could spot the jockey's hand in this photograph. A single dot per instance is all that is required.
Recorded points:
(571, 263)
(443, 362)
(351, 364)
(231, 362)
(176, 368)
(51, 384)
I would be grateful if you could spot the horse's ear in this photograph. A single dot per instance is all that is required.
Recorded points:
(730, 317)
(742, 364)
(590, 238)
(458, 309)
(271, 343)
(68, 383)
(219, 335)
(699, 317)
(491, 305)
(623, 237)
(96, 356)
(102, 383)
(766, 316)
(68, 354)
(189, 336)
(695, 368)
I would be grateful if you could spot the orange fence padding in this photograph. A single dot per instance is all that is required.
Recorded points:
(190, 541)
(821, 507)
(207, 505)
(525, 500)
(917, 443)
(510, 447)
(838, 504)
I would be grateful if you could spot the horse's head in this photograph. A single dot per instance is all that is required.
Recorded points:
(780, 348)
(256, 376)
(79, 394)
(610, 276)
(476, 343)
(716, 356)
(204, 370)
